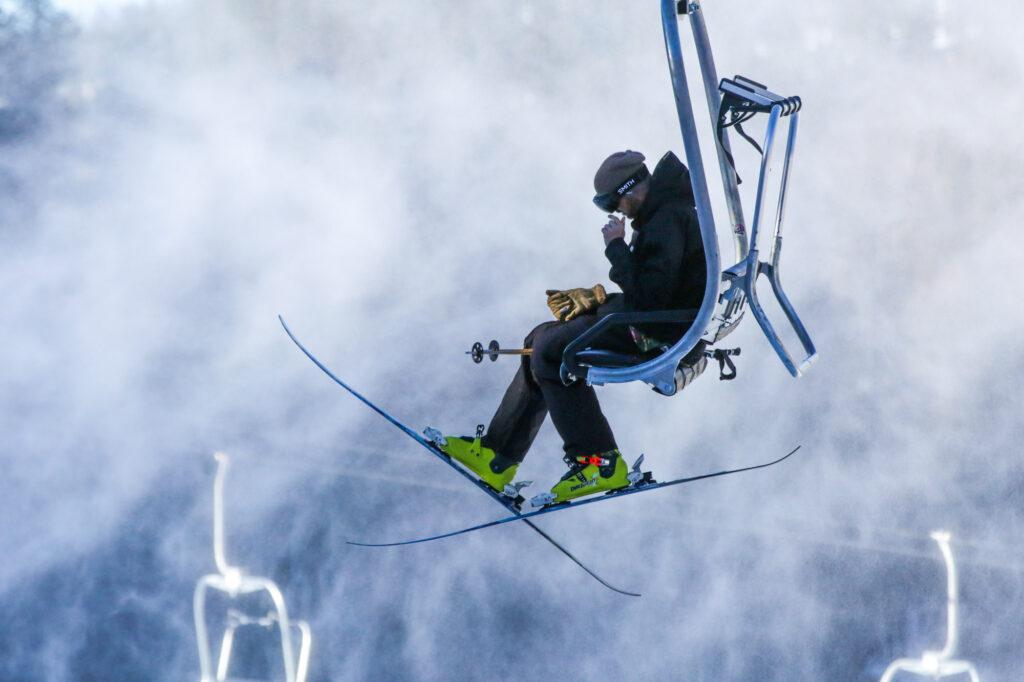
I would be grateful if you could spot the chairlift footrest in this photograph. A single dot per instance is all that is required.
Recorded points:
(753, 96)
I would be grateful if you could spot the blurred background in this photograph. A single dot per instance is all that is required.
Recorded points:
(402, 179)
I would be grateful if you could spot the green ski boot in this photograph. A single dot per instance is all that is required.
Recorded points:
(587, 475)
(492, 468)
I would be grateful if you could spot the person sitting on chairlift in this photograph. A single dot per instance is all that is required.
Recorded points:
(662, 268)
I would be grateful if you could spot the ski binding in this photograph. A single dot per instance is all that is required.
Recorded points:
(542, 500)
(435, 437)
(638, 478)
(511, 492)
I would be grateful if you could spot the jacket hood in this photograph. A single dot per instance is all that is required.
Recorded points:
(670, 183)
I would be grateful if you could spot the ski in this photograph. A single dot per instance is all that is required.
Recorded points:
(643, 487)
(506, 502)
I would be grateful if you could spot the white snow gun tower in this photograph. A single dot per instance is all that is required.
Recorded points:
(728, 293)
(233, 581)
(939, 664)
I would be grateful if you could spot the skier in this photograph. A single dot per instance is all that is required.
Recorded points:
(662, 268)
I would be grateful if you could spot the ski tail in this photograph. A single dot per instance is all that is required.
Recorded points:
(579, 563)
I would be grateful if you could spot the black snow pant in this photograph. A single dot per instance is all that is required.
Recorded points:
(537, 390)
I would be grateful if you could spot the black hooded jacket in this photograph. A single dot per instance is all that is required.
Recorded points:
(663, 268)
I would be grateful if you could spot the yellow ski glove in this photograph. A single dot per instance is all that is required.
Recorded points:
(571, 303)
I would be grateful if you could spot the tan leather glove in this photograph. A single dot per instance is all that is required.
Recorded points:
(571, 303)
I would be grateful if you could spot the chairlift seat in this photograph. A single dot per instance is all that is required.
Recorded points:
(598, 357)
(690, 366)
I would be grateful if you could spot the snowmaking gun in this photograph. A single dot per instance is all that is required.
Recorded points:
(671, 367)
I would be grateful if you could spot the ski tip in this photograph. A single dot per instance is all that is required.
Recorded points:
(373, 544)
(788, 454)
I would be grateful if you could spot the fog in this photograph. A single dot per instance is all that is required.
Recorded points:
(399, 180)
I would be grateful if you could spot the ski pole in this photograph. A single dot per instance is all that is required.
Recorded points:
(493, 351)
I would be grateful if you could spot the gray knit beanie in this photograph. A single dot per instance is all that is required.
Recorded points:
(616, 169)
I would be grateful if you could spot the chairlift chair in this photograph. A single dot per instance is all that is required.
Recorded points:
(730, 102)
(235, 583)
(937, 664)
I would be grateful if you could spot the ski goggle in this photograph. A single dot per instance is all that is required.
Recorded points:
(609, 201)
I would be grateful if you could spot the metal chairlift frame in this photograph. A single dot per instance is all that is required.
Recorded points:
(720, 311)
(234, 582)
(939, 664)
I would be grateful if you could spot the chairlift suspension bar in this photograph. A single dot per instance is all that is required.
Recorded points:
(695, 162)
(730, 180)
